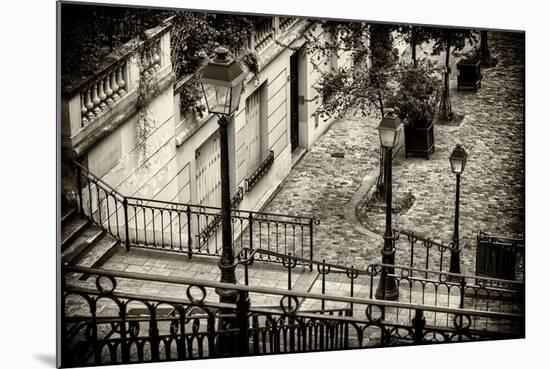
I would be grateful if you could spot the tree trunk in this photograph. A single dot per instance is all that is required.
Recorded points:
(486, 59)
(413, 46)
(445, 109)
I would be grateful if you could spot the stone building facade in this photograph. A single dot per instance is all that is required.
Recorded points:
(174, 156)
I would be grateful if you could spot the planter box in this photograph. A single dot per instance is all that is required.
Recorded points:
(468, 74)
(419, 140)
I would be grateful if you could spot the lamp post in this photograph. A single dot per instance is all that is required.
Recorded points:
(221, 82)
(388, 129)
(458, 162)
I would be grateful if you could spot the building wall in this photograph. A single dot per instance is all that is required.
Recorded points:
(165, 166)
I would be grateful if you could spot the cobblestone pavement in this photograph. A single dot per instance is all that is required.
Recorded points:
(321, 185)
(492, 187)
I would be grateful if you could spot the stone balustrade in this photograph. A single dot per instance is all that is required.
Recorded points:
(286, 22)
(89, 102)
(264, 35)
(102, 92)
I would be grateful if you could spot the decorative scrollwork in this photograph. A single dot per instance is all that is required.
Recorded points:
(462, 321)
(289, 262)
(323, 268)
(373, 270)
(352, 273)
(103, 287)
(193, 298)
(289, 304)
(374, 313)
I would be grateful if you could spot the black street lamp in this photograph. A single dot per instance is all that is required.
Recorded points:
(222, 81)
(388, 129)
(458, 162)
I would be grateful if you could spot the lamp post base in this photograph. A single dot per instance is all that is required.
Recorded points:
(391, 292)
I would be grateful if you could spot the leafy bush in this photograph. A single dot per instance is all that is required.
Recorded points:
(416, 93)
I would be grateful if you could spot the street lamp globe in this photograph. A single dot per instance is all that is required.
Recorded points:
(458, 159)
(388, 129)
(222, 82)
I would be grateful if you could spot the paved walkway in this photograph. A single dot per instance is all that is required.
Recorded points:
(492, 185)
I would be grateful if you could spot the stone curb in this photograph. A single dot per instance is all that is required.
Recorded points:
(367, 184)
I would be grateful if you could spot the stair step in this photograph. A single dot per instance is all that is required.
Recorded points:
(67, 214)
(82, 244)
(99, 253)
(71, 230)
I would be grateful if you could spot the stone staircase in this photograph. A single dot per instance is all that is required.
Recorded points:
(84, 243)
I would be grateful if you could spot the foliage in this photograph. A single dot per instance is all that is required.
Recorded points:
(190, 98)
(472, 56)
(416, 93)
(90, 32)
(414, 36)
(146, 90)
(194, 37)
(450, 40)
(359, 88)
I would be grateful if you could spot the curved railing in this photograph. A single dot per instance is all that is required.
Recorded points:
(426, 287)
(187, 228)
(108, 322)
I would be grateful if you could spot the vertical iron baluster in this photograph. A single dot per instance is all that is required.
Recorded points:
(154, 334)
(211, 330)
(255, 335)
(269, 236)
(124, 347)
(108, 214)
(250, 232)
(171, 231)
(302, 240)
(144, 224)
(126, 231)
(293, 239)
(277, 236)
(136, 210)
(245, 267)
(154, 232)
(79, 189)
(90, 200)
(351, 290)
(116, 216)
(419, 322)
(189, 238)
(162, 228)
(98, 205)
(412, 241)
(243, 305)
(310, 245)
(179, 230)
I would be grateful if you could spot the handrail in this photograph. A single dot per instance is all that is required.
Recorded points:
(266, 290)
(413, 234)
(181, 227)
(98, 180)
(246, 256)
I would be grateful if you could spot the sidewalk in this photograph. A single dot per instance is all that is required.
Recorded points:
(492, 187)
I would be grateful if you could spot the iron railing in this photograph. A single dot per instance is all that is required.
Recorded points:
(426, 287)
(186, 228)
(260, 171)
(500, 257)
(103, 323)
(421, 252)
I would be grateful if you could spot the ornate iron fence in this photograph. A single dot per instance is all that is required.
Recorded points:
(187, 228)
(421, 252)
(105, 323)
(421, 286)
